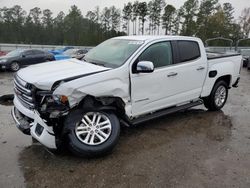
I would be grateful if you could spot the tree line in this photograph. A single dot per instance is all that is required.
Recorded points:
(40, 27)
(204, 19)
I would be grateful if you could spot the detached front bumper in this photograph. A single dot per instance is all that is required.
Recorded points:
(30, 123)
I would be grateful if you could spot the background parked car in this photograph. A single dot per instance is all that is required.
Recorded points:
(16, 59)
(60, 50)
(246, 57)
(72, 53)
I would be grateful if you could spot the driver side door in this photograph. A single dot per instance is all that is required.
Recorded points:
(150, 90)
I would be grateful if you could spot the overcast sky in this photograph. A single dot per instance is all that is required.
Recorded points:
(63, 5)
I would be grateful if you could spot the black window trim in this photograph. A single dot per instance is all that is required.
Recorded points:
(179, 51)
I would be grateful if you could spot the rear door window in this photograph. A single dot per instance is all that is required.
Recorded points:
(28, 53)
(189, 50)
(38, 52)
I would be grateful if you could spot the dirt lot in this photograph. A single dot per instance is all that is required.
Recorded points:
(195, 148)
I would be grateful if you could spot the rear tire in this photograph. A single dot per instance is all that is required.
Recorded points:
(218, 96)
(14, 66)
(245, 63)
(91, 132)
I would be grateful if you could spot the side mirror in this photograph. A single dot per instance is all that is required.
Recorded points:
(145, 67)
(23, 55)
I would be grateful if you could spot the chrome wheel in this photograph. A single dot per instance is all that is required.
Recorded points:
(220, 96)
(14, 66)
(94, 128)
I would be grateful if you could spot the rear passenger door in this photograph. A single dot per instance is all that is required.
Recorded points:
(191, 70)
(27, 57)
(38, 56)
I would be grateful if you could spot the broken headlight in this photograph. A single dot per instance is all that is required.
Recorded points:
(60, 99)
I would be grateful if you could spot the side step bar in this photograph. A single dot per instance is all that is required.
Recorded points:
(164, 112)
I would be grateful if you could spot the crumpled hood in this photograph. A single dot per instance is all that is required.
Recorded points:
(44, 75)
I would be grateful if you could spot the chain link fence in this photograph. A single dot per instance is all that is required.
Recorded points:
(9, 47)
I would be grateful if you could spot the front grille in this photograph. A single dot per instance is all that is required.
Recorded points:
(24, 93)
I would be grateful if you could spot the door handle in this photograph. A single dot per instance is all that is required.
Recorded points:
(200, 68)
(172, 74)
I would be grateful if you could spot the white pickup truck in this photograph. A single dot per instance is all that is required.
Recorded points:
(125, 80)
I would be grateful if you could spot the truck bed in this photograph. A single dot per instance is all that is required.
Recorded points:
(213, 55)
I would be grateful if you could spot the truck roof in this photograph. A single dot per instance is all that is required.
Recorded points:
(154, 37)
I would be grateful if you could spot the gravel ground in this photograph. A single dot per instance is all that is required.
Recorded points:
(195, 148)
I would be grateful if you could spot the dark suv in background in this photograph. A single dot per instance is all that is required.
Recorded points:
(16, 59)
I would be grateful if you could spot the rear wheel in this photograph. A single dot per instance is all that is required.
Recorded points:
(218, 96)
(245, 63)
(14, 66)
(91, 132)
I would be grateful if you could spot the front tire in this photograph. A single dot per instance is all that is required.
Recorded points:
(218, 97)
(91, 132)
(14, 66)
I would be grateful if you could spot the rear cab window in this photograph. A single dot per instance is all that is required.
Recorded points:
(188, 50)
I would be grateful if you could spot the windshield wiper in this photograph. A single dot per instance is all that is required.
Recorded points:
(95, 63)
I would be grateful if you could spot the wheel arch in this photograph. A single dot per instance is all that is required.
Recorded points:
(226, 78)
(105, 103)
(210, 83)
(15, 61)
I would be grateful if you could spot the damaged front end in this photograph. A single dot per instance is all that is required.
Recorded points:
(52, 106)
(39, 113)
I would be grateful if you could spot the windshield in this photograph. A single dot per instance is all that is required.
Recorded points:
(70, 52)
(112, 53)
(14, 53)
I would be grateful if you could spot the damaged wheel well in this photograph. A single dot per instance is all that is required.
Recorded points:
(115, 104)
